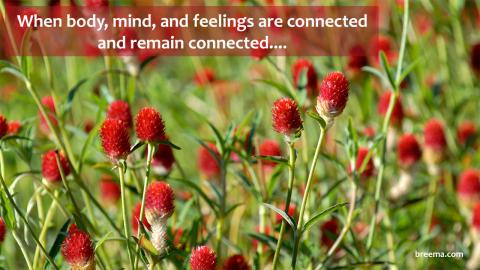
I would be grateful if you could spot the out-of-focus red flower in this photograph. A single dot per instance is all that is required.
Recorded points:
(270, 148)
(149, 125)
(77, 249)
(3, 230)
(357, 58)
(369, 169)
(397, 113)
(3, 126)
(115, 139)
(163, 159)
(291, 212)
(468, 187)
(136, 219)
(203, 258)
(159, 202)
(476, 217)
(330, 230)
(88, 125)
(435, 142)
(267, 231)
(259, 54)
(369, 132)
(408, 150)
(303, 67)
(204, 77)
(207, 163)
(50, 169)
(382, 44)
(466, 131)
(286, 117)
(50, 110)
(236, 262)
(475, 58)
(120, 110)
(109, 190)
(333, 95)
(96, 3)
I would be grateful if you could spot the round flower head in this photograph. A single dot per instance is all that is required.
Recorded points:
(109, 190)
(3, 230)
(77, 249)
(115, 139)
(270, 148)
(330, 231)
(476, 217)
(236, 262)
(466, 132)
(369, 168)
(203, 258)
(50, 110)
(303, 67)
(163, 159)
(397, 113)
(285, 117)
(333, 95)
(3, 126)
(475, 58)
(14, 127)
(120, 110)
(207, 163)
(435, 142)
(468, 187)
(149, 125)
(159, 202)
(50, 169)
(136, 219)
(408, 150)
(204, 77)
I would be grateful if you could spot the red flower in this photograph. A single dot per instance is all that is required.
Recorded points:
(303, 66)
(149, 125)
(397, 113)
(50, 170)
(207, 163)
(120, 110)
(408, 150)
(14, 127)
(50, 110)
(159, 202)
(77, 249)
(465, 132)
(468, 187)
(115, 139)
(163, 159)
(476, 216)
(236, 262)
(96, 3)
(434, 135)
(136, 219)
(259, 53)
(333, 95)
(475, 58)
(270, 148)
(203, 258)
(204, 77)
(291, 213)
(382, 44)
(369, 132)
(330, 231)
(285, 117)
(109, 190)
(357, 58)
(3, 230)
(3, 126)
(369, 167)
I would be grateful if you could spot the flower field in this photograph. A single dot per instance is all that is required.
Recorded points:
(364, 161)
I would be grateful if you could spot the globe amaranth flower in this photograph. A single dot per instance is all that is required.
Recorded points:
(115, 139)
(270, 148)
(468, 187)
(203, 258)
(397, 115)
(303, 67)
(333, 95)
(50, 169)
(149, 125)
(236, 262)
(286, 117)
(77, 249)
(207, 161)
(120, 110)
(435, 143)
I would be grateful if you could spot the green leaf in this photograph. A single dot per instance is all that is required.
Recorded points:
(169, 143)
(62, 233)
(316, 218)
(136, 146)
(375, 72)
(102, 240)
(15, 72)
(284, 215)
(316, 117)
(408, 70)
(71, 96)
(387, 69)
(282, 89)
(218, 137)
(276, 159)
(7, 212)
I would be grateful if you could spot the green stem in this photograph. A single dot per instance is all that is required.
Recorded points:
(150, 152)
(23, 249)
(43, 233)
(121, 175)
(291, 178)
(306, 193)
(223, 206)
